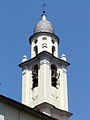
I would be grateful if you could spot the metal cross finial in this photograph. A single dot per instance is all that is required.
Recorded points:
(43, 6)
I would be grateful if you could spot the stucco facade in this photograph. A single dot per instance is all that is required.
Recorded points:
(44, 43)
(45, 92)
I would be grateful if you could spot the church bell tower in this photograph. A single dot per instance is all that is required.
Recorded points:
(44, 76)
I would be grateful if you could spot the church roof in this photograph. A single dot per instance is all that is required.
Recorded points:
(44, 26)
(32, 110)
(24, 107)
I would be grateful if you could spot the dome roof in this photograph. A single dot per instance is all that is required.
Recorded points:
(44, 26)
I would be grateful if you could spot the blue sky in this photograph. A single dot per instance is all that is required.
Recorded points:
(71, 20)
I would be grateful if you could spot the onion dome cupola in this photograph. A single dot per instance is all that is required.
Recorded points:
(44, 38)
(44, 25)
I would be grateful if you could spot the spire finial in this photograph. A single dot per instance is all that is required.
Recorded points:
(43, 6)
(43, 14)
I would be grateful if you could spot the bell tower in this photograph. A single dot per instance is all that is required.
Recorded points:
(44, 76)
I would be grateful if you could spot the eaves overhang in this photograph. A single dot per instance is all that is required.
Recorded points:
(45, 53)
(43, 33)
(22, 107)
(53, 109)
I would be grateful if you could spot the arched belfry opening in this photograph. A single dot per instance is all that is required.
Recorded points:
(36, 50)
(53, 50)
(34, 76)
(54, 75)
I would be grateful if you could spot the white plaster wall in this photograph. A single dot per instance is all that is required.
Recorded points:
(40, 92)
(45, 79)
(40, 45)
(30, 96)
(54, 92)
(42, 81)
(63, 93)
(57, 96)
(45, 92)
(26, 86)
(27, 116)
(56, 48)
(11, 113)
(2, 111)
(32, 49)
